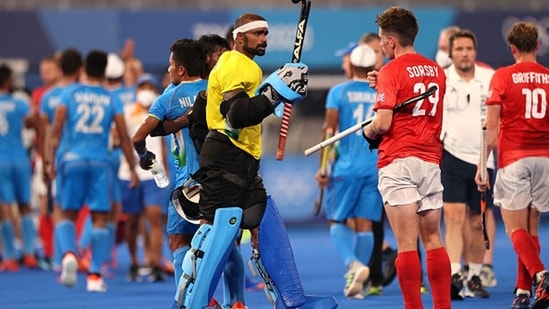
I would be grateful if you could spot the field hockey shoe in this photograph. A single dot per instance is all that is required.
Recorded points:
(95, 283)
(487, 276)
(69, 269)
(356, 276)
(542, 293)
(521, 301)
(474, 288)
(456, 287)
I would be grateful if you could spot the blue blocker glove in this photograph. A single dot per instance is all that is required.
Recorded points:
(287, 84)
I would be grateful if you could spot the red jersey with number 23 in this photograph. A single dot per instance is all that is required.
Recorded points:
(415, 129)
(522, 90)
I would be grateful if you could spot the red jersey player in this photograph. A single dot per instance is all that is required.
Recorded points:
(409, 156)
(517, 109)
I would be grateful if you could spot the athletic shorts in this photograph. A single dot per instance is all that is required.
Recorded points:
(16, 182)
(146, 194)
(409, 180)
(177, 225)
(229, 178)
(86, 182)
(523, 183)
(352, 197)
(458, 179)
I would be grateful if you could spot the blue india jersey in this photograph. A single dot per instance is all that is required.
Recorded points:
(49, 102)
(354, 100)
(173, 103)
(12, 115)
(90, 113)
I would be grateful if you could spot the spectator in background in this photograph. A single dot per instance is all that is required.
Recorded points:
(487, 275)
(15, 172)
(442, 56)
(464, 113)
(353, 202)
(147, 198)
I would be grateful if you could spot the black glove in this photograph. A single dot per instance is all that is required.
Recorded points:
(374, 143)
(146, 160)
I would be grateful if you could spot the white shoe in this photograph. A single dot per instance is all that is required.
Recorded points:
(96, 284)
(488, 277)
(69, 268)
(356, 276)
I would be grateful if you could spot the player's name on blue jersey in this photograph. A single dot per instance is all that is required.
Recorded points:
(361, 96)
(93, 98)
(186, 101)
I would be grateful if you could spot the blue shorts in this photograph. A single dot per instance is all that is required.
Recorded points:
(146, 194)
(16, 182)
(86, 182)
(178, 225)
(351, 197)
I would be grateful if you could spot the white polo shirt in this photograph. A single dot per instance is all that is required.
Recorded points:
(464, 114)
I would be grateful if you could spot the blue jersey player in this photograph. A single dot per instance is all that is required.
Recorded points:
(187, 64)
(85, 116)
(15, 171)
(353, 200)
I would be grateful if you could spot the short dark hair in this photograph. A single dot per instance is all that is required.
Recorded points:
(399, 22)
(96, 63)
(5, 74)
(462, 33)
(70, 61)
(212, 42)
(190, 54)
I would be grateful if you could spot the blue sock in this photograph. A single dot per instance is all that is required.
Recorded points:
(66, 234)
(99, 249)
(57, 253)
(233, 275)
(343, 238)
(364, 246)
(28, 234)
(86, 234)
(8, 235)
(178, 256)
(111, 228)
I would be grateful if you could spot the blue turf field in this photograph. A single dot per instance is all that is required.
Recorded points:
(319, 265)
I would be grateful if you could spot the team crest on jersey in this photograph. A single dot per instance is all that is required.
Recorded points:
(380, 97)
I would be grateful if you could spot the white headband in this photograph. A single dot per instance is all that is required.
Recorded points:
(249, 26)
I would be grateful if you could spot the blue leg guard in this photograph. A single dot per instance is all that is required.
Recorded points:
(275, 263)
(205, 261)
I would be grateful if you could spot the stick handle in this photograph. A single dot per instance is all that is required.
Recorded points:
(296, 57)
(283, 134)
(483, 154)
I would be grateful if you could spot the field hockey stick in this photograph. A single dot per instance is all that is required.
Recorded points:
(483, 172)
(296, 56)
(364, 123)
(49, 198)
(323, 172)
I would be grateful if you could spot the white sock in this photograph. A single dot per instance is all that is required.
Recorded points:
(521, 291)
(455, 267)
(474, 270)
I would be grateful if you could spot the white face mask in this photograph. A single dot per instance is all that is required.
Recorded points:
(443, 59)
(146, 97)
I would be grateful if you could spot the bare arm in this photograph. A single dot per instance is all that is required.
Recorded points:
(126, 146)
(380, 125)
(52, 141)
(492, 130)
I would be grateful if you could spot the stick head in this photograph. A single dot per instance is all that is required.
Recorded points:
(297, 1)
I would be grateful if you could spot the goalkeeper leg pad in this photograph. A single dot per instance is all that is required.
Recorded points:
(205, 261)
(275, 263)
